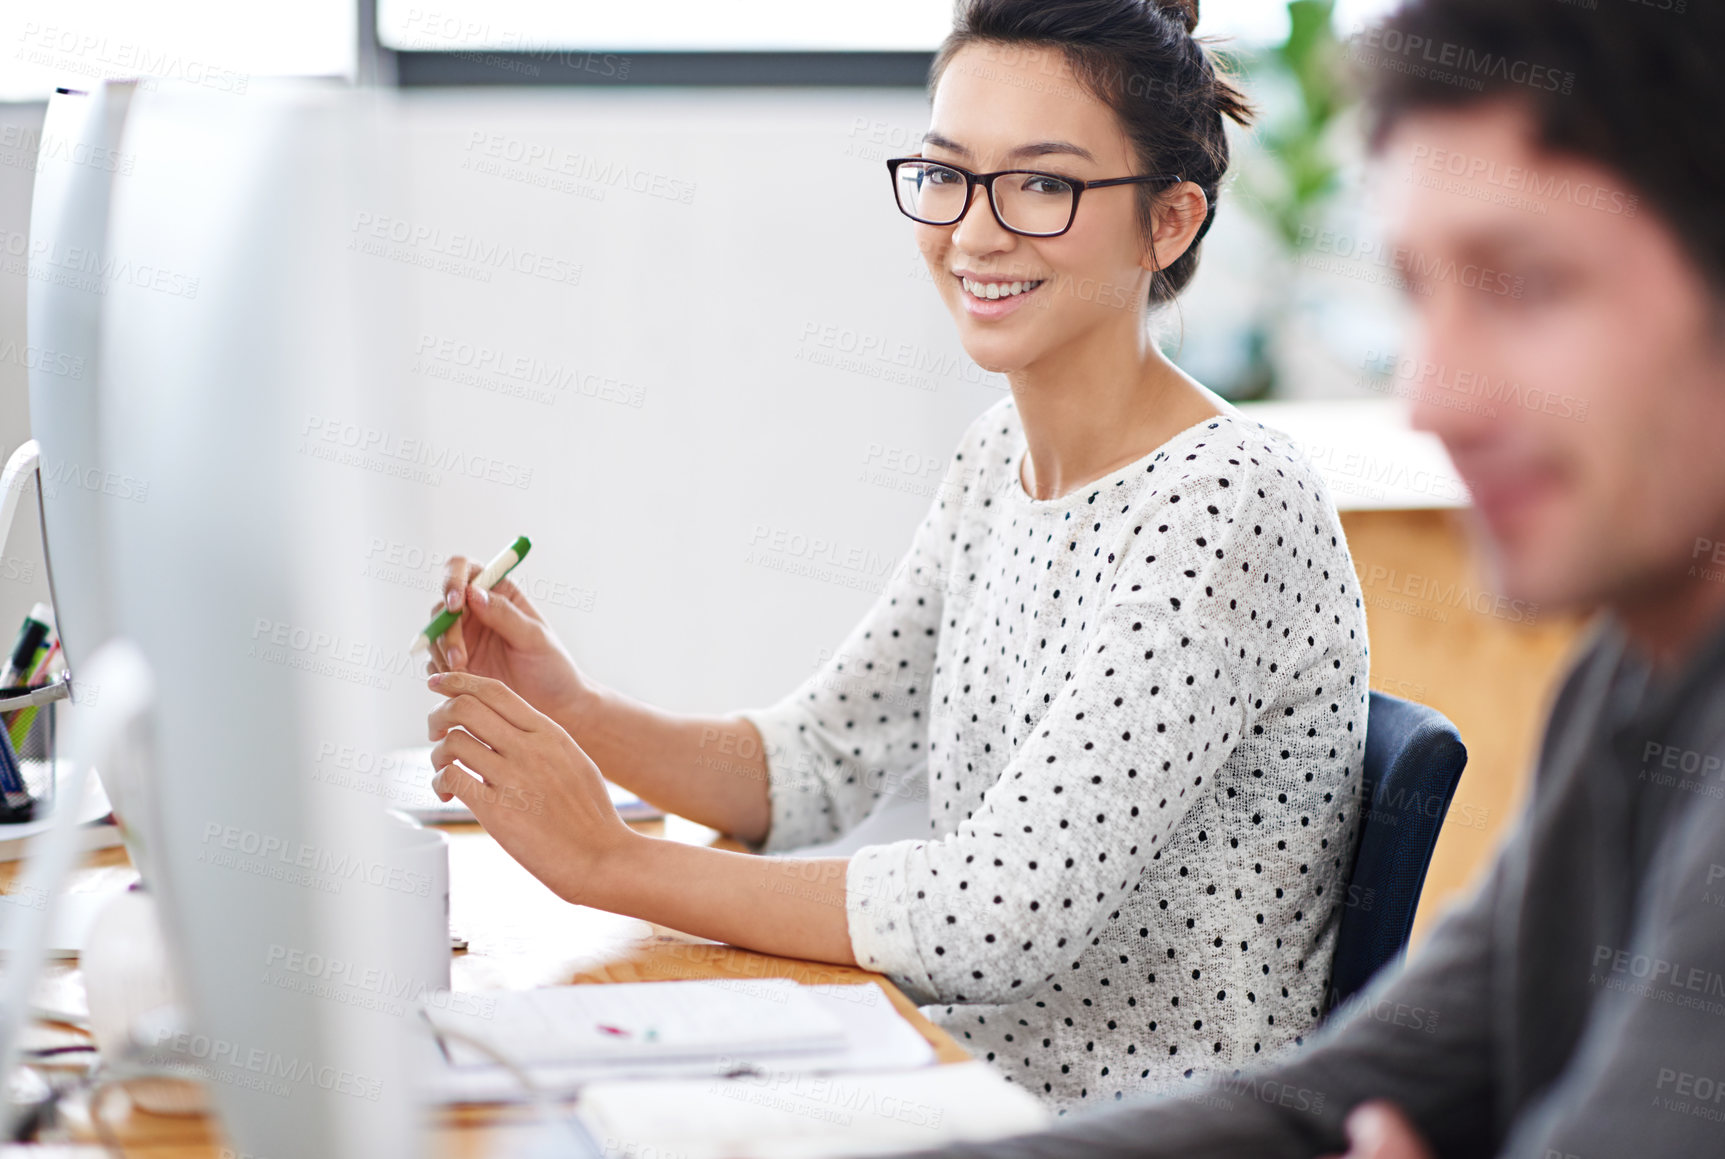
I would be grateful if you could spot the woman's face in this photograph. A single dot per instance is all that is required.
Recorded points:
(1019, 107)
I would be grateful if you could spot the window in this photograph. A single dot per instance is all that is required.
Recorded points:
(222, 44)
(625, 26)
(216, 43)
(635, 26)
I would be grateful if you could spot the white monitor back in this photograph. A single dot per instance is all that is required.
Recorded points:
(77, 165)
(241, 317)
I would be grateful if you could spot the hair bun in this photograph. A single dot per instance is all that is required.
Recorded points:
(1185, 11)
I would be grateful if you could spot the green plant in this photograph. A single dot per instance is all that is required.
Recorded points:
(1297, 140)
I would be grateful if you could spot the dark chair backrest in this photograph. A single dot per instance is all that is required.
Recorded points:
(1414, 759)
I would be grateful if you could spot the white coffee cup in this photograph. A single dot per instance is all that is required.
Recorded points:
(419, 947)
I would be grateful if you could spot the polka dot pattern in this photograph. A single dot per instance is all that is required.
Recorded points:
(1137, 713)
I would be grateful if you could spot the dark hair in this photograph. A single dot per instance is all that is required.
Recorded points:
(1140, 59)
(1634, 87)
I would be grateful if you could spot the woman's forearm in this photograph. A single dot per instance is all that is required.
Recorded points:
(709, 769)
(794, 908)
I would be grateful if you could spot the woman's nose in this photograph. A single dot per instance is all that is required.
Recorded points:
(979, 231)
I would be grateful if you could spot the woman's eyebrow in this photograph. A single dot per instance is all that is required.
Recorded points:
(1043, 148)
(1039, 149)
(933, 138)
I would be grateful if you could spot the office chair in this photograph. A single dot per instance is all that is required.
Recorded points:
(1414, 759)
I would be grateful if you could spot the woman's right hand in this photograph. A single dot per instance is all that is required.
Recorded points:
(502, 635)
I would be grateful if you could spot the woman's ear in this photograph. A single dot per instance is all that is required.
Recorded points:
(1179, 215)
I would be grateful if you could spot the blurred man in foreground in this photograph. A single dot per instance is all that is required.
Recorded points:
(1561, 168)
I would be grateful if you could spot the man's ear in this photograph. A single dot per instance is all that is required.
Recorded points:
(1180, 214)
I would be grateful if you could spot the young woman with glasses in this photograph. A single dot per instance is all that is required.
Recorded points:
(1122, 669)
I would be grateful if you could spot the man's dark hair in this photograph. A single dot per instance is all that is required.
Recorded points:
(1634, 85)
(1138, 57)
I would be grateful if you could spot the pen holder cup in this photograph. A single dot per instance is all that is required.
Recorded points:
(37, 753)
(30, 717)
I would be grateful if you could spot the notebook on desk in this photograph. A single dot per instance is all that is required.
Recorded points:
(639, 1022)
(806, 1116)
(709, 1027)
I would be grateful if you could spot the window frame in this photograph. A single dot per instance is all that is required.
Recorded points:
(418, 68)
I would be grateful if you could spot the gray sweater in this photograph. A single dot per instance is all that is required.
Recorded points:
(1573, 1008)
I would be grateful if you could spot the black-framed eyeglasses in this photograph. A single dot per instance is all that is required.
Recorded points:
(1033, 204)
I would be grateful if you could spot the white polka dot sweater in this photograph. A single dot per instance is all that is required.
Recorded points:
(1137, 713)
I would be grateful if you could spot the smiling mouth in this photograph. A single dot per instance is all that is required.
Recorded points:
(994, 291)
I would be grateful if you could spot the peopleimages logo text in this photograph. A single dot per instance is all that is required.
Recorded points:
(225, 1061)
(466, 247)
(300, 855)
(424, 453)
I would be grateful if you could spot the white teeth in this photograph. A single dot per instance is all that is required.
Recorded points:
(995, 290)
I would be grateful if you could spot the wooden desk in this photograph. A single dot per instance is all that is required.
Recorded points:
(520, 935)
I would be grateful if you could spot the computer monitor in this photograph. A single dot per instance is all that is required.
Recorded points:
(236, 314)
(79, 160)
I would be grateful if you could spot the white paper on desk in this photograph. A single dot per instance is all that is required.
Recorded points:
(895, 817)
(19, 838)
(876, 1037)
(810, 1116)
(409, 774)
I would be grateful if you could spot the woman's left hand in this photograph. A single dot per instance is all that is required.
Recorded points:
(536, 791)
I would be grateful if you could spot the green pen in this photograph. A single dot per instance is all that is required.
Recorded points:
(501, 565)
